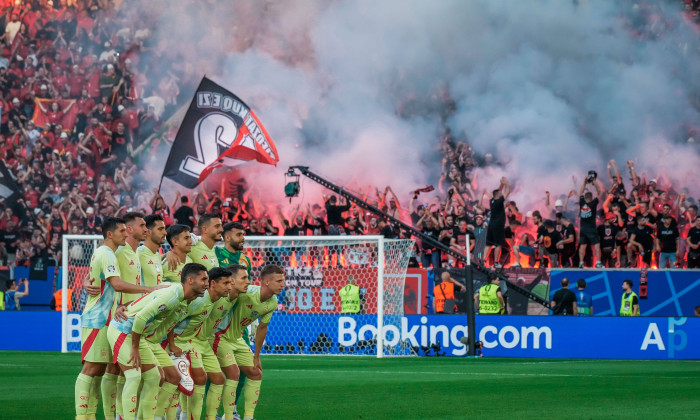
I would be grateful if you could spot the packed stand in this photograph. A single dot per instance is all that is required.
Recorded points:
(81, 122)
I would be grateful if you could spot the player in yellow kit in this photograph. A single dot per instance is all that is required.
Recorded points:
(96, 351)
(191, 336)
(178, 236)
(210, 228)
(257, 302)
(150, 317)
(148, 254)
(130, 268)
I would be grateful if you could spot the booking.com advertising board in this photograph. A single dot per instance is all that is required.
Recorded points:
(505, 336)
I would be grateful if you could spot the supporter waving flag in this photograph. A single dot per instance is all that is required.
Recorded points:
(64, 113)
(218, 129)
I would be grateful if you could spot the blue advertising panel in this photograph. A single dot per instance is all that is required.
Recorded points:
(670, 292)
(39, 331)
(502, 336)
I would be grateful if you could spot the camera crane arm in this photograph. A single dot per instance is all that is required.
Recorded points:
(304, 170)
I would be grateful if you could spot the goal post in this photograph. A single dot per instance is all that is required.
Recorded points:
(76, 254)
(310, 318)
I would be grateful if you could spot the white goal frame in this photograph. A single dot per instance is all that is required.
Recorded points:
(68, 327)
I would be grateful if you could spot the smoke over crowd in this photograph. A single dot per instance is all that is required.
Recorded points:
(363, 91)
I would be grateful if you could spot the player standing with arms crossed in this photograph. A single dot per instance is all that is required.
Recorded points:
(257, 302)
(96, 351)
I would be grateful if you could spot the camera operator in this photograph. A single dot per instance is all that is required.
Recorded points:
(588, 210)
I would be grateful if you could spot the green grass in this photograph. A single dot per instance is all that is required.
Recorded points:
(39, 385)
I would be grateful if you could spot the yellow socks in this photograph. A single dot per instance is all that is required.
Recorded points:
(213, 400)
(165, 397)
(109, 394)
(251, 391)
(82, 396)
(228, 397)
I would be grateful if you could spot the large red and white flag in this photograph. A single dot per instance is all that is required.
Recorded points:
(218, 129)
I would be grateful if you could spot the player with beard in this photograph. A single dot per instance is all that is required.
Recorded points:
(148, 252)
(232, 253)
(203, 251)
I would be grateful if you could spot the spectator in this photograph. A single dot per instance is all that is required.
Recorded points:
(667, 243)
(567, 244)
(608, 232)
(495, 233)
(693, 241)
(641, 241)
(13, 295)
(588, 211)
(184, 215)
(550, 241)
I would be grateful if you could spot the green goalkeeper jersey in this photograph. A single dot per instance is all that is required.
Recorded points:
(227, 258)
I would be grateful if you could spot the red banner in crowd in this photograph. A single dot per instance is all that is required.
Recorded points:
(41, 118)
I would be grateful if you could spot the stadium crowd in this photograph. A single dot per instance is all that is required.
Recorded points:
(84, 107)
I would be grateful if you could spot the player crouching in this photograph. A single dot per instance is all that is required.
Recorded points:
(152, 317)
(232, 351)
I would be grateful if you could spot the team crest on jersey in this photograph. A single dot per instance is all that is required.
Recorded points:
(608, 231)
(111, 269)
(161, 308)
(254, 314)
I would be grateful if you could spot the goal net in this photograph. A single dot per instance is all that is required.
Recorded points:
(310, 318)
(75, 271)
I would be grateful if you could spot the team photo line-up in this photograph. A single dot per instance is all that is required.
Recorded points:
(161, 332)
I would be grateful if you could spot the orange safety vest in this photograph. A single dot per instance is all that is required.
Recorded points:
(58, 297)
(449, 293)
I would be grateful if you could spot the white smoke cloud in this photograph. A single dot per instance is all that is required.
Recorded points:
(550, 88)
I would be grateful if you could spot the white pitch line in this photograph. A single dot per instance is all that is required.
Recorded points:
(12, 365)
(565, 375)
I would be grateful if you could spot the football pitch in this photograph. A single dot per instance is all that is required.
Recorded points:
(39, 385)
